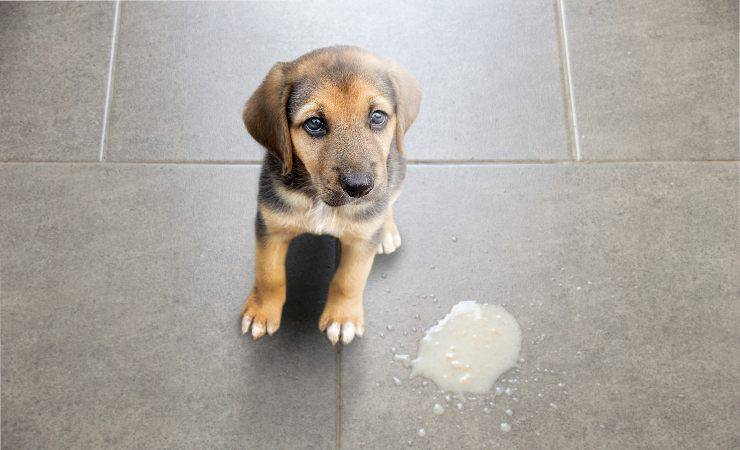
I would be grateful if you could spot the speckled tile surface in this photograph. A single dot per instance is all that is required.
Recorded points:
(121, 281)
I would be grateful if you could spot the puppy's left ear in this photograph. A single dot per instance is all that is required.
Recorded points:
(266, 117)
(408, 99)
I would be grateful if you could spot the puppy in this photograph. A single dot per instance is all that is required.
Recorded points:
(333, 123)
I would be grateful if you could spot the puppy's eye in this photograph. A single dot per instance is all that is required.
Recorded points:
(315, 126)
(378, 119)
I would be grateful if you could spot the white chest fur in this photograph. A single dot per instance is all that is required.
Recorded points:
(323, 219)
(316, 217)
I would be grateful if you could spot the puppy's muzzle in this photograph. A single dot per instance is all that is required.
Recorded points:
(356, 184)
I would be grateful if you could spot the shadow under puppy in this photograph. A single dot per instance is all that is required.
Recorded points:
(333, 123)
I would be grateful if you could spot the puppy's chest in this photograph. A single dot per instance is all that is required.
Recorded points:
(308, 215)
(323, 219)
(320, 218)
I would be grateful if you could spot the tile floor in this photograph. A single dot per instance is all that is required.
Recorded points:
(587, 150)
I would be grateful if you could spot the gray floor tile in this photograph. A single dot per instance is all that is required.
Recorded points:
(490, 74)
(655, 81)
(53, 66)
(624, 279)
(121, 293)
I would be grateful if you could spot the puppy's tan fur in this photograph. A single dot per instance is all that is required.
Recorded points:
(300, 191)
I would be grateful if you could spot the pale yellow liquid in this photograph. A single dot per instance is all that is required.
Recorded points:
(470, 348)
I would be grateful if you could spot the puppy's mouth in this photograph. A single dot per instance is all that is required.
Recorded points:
(333, 199)
(336, 198)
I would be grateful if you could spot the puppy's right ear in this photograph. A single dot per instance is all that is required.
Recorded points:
(408, 99)
(266, 116)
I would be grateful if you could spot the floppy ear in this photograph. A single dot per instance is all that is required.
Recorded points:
(266, 118)
(408, 99)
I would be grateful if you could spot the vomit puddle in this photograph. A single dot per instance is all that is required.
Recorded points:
(469, 348)
(514, 391)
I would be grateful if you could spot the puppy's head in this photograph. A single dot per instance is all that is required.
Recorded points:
(341, 111)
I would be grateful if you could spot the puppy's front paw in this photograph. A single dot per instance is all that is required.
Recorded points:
(342, 320)
(263, 316)
(391, 239)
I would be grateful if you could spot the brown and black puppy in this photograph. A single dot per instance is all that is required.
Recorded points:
(332, 122)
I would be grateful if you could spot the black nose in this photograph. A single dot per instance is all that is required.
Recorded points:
(356, 184)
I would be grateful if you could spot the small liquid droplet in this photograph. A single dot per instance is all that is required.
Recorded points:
(487, 410)
(509, 412)
(396, 381)
(460, 406)
(438, 409)
(383, 276)
(421, 432)
(454, 238)
(505, 427)
(389, 327)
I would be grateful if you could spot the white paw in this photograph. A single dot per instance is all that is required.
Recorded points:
(260, 326)
(346, 332)
(391, 240)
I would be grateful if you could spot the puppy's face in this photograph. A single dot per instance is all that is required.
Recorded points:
(342, 131)
(344, 110)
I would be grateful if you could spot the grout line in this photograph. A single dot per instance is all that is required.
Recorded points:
(338, 362)
(568, 81)
(109, 86)
(338, 419)
(425, 162)
(418, 162)
(566, 162)
(225, 162)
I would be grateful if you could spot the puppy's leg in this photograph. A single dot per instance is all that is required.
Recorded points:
(343, 314)
(264, 306)
(391, 239)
